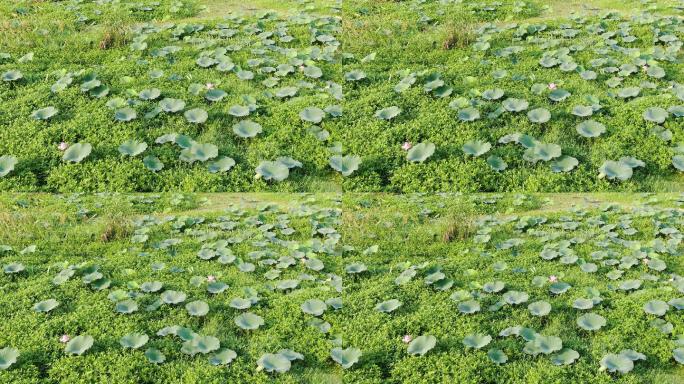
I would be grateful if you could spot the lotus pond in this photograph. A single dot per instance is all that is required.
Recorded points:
(314, 95)
(327, 288)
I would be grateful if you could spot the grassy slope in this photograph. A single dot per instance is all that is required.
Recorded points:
(405, 236)
(62, 234)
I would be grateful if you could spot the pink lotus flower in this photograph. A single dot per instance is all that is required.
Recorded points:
(210, 85)
(64, 338)
(407, 339)
(406, 146)
(553, 278)
(211, 278)
(552, 86)
(62, 146)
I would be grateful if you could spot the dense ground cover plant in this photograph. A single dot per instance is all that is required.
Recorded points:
(514, 97)
(169, 288)
(479, 289)
(401, 96)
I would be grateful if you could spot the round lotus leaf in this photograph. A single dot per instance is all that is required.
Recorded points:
(200, 152)
(240, 303)
(7, 164)
(13, 268)
(420, 152)
(543, 344)
(677, 161)
(171, 105)
(546, 151)
(286, 92)
(476, 148)
(196, 115)
(78, 345)
(314, 307)
(173, 297)
(354, 75)
(12, 75)
(155, 356)
(77, 152)
(291, 355)
(125, 114)
(559, 95)
(223, 164)
(615, 170)
(515, 297)
(249, 321)
(149, 94)
(468, 114)
(677, 353)
(591, 322)
(655, 114)
(616, 363)
(223, 357)
(515, 105)
(591, 128)
(126, 306)
(152, 286)
(421, 345)
(216, 287)
(493, 94)
(289, 162)
(46, 306)
(388, 113)
(632, 354)
(583, 304)
(656, 72)
(274, 363)
(677, 303)
(498, 356)
(559, 287)
(215, 95)
(469, 306)
(564, 164)
(582, 111)
(539, 308)
(629, 285)
(200, 344)
(8, 356)
(388, 306)
(247, 128)
(476, 340)
(355, 268)
(273, 170)
(44, 113)
(539, 115)
(628, 92)
(345, 164)
(132, 148)
(134, 340)
(197, 308)
(312, 115)
(153, 163)
(496, 163)
(566, 356)
(656, 307)
(494, 286)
